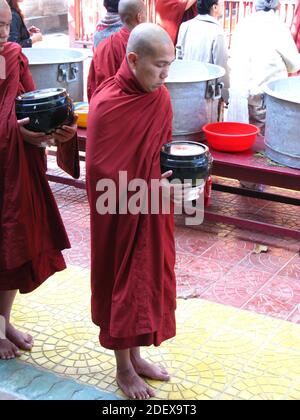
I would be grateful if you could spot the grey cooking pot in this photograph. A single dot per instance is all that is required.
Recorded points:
(282, 138)
(195, 91)
(52, 68)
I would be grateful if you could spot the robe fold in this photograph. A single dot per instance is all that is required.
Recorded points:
(133, 255)
(107, 59)
(171, 13)
(296, 26)
(32, 233)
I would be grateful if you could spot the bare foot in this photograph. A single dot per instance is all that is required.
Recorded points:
(133, 386)
(149, 370)
(8, 350)
(22, 340)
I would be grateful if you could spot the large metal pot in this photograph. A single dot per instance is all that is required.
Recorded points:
(282, 138)
(195, 92)
(52, 67)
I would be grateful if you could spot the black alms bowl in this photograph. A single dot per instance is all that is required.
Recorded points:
(47, 109)
(188, 160)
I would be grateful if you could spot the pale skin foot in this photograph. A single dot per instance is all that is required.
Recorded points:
(149, 370)
(8, 350)
(133, 386)
(23, 341)
(11, 340)
(128, 380)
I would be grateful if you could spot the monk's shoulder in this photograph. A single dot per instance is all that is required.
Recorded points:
(166, 94)
(13, 47)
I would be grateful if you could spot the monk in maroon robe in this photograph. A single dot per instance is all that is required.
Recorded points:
(110, 53)
(296, 26)
(133, 255)
(32, 234)
(171, 13)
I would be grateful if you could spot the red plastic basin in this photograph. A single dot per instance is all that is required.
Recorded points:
(230, 136)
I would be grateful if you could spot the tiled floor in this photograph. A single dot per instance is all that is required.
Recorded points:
(233, 340)
(220, 352)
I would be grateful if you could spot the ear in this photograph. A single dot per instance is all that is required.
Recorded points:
(139, 18)
(214, 9)
(132, 59)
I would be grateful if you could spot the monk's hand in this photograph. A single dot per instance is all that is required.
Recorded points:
(177, 192)
(36, 139)
(34, 30)
(66, 132)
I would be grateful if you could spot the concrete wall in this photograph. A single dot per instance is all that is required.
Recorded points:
(48, 15)
(34, 8)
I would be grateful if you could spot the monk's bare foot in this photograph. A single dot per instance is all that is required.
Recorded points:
(22, 340)
(133, 386)
(143, 368)
(8, 350)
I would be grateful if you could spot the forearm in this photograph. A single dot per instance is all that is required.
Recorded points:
(189, 4)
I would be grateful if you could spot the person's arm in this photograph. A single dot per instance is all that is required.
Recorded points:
(220, 58)
(189, 4)
(288, 50)
(16, 31)
(295, 28)
(180, 40)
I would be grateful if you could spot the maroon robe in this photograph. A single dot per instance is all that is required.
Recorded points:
(296, 26)
(107, 59)
(171, 13)
(32, 234)
(133, 256)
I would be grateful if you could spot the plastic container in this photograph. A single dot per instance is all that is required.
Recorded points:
(81, 109)
(230, 136)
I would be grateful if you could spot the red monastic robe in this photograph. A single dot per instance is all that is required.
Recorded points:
(107, 59)
(133, 256)
(171, 13)
(32, 234)
(296, 26)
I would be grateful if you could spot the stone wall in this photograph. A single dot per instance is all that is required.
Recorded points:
(34, 8)
(48, 15)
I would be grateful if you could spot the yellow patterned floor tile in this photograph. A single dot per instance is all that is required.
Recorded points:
(219, 352)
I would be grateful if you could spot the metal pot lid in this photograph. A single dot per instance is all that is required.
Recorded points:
(42, 95)
(286, 89)
(184, 149)
(188, 71)
(38, 56)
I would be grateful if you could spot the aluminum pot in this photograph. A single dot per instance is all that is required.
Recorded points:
(195, 91)
(282, 139)
(62, 68)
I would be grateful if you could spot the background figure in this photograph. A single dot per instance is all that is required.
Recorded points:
(203, 38)
(296, 26)
(18, 30)
(32, 234)
(262, 50)
(171, 13)
(110, 53)
(110, 23)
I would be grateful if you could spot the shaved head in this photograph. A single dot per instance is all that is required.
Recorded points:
(5, 21)
(145, 38)
(129, 10)
(150, 52)
(4, 5)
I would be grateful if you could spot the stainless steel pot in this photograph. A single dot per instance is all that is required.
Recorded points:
(195, 92)
(52, 67)
(282, 138)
